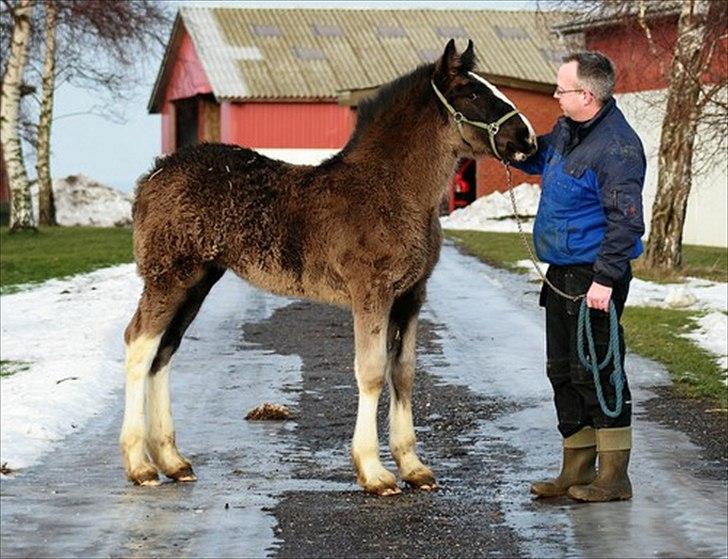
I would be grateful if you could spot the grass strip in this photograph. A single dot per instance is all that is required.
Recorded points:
(56, 252)
(505, 249)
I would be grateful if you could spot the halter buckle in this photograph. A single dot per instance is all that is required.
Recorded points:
(458, 117)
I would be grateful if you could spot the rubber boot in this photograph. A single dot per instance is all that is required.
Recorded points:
(580, 454)
(612, 482)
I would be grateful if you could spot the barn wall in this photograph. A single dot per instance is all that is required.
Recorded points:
(638, 68)
(707, 212)
(286, 125)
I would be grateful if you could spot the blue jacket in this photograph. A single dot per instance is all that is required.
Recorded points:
(590, 210)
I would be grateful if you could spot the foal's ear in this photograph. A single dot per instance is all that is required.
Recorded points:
(447, 65)
(467, 58)
(451, 63)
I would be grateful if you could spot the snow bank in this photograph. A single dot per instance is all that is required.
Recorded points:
(76, 357)
(712, 335)
(494, 212)
(83, 201)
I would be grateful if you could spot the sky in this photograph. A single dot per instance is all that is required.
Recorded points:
(115, 153)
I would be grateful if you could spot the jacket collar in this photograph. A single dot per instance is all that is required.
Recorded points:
(583, 128)
(577, 131)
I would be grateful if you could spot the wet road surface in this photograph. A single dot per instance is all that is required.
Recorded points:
(484, 420)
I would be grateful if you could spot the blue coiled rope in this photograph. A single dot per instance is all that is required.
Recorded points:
(591, 362)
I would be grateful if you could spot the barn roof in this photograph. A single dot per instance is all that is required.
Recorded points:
(271, 54)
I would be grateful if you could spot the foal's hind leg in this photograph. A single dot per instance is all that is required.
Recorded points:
(370, 332)
(401, 372)
(142, 339)
(151, 338)
(160, 439)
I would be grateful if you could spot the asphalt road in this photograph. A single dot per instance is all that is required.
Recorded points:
(485, 424)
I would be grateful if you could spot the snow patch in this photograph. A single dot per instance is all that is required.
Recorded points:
(712, 335)
(494, 212)
(76, 357)
(81, 200)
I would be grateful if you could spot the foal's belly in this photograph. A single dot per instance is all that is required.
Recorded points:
(321, 287)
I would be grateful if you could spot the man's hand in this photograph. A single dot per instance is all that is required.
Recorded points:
(598, 297)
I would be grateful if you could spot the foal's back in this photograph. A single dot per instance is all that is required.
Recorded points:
(233, 207)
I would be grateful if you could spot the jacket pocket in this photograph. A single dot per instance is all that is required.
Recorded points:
(568, 185)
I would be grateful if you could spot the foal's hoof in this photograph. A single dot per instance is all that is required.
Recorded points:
(184, 474)
(421, 478)
(145, 476)
(384, 485)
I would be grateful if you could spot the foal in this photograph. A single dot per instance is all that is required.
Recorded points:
(360, 230)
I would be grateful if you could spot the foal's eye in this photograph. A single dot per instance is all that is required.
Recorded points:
(473, 96)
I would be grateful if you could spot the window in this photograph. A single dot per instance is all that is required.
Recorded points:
(451, 32)
(308, 53)
(323, 30)
(390, 31)
(510, 33)
(267, 30)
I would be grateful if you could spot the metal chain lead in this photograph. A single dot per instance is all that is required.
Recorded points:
(574, 298)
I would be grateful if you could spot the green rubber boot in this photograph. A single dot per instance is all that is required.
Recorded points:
(612, 482)
(580, 455)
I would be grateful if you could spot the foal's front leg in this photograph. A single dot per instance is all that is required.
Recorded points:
(401, 426)
(370, 338)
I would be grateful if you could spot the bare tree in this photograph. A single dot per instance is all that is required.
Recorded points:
(46, 203)
(21, 214)
(93, 44)
(689, 101)
(694, 100)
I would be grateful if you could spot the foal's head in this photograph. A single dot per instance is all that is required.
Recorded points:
(476, 99)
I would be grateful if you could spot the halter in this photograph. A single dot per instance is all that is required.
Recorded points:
(490, 127)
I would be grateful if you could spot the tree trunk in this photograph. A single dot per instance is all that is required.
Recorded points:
(46, 204)
(679, 127)
(21, 213)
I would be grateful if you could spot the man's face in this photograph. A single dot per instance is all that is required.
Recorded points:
(573, 99)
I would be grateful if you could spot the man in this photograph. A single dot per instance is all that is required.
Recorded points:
(587, 229)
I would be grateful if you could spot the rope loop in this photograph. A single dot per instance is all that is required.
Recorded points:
(591, 362)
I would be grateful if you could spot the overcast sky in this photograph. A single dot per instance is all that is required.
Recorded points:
(116, 154)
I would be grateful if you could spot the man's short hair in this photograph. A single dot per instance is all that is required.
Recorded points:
(595, 72)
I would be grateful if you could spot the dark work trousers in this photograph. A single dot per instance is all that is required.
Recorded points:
(574, 393)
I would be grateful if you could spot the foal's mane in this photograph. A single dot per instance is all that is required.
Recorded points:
(412, 89)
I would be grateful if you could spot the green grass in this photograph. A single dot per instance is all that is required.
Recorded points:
(655, 333)
(55, 252)
(505, 249)
(651, 332)
(698, 261)
(8, 367)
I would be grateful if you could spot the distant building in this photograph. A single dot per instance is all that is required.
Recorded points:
(287, 82)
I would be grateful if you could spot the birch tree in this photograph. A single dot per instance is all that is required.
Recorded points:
(46, 203)
(21, 214)
(687, 99)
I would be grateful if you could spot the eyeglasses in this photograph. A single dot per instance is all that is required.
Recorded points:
(559, 92)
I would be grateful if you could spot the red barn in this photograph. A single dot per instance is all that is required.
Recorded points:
(286, 82)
